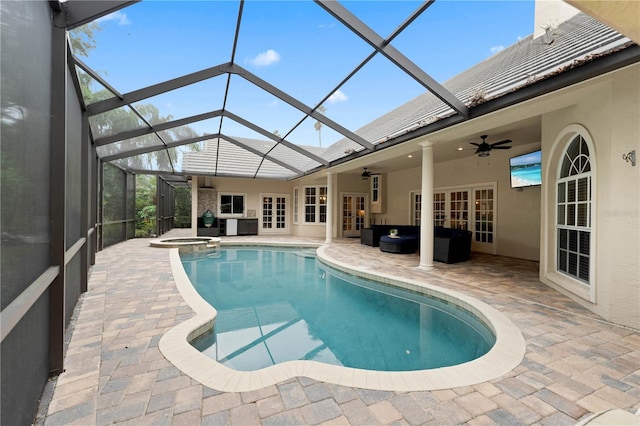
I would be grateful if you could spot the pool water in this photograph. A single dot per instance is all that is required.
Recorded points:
(276, 305)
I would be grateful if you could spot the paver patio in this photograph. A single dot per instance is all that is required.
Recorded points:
(575, 363)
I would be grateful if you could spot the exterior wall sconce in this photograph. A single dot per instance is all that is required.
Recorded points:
(630, 157)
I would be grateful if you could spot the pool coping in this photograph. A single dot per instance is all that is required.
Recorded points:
(506, 354)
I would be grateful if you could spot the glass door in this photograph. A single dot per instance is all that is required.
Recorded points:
(440, 208)
(483, 238)
(458, 210)
(353, 214)
(471, 209)
(416, 208)
(274, 213)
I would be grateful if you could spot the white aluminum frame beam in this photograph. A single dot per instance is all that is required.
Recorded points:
(184, 121)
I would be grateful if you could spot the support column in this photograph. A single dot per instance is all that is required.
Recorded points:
(58, 185)
(426, 210)
(330, 213)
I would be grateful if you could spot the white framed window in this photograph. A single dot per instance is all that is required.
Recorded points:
(296, 202)
(315, 204)
(231, 205)
(573, 212)
(570, 200)
(375, 188)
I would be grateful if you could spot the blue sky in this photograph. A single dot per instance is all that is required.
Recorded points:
(298, 47)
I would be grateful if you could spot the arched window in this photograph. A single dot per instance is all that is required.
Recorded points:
(573, 201)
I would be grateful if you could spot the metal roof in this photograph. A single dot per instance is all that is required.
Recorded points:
(129, 133)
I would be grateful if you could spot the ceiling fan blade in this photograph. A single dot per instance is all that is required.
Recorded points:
(473, 143)
(501, 142)
(501, 147)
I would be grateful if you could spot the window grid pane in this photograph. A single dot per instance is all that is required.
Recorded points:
(484, 216)
(281, 209)
(360, 211)
(439, 209)
(315, 204)
(295, 205)
(267, 213)
(375, 185)
(573, 207)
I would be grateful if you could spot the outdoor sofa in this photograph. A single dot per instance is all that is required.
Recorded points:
(449, 245)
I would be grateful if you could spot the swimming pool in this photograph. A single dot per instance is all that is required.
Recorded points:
(506, 354)
(281, 304)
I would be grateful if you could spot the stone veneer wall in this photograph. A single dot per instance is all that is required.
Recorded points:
(207, 199)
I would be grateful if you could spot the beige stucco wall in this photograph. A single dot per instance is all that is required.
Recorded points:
(253, 188)
(610, 117)
(398, 185)
(518, 212)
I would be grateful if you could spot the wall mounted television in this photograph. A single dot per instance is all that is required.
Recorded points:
(526, 170)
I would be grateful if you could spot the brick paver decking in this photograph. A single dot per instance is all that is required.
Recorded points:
(575, 363)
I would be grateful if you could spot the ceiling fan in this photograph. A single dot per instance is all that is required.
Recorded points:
(484, 147)
(366, 174)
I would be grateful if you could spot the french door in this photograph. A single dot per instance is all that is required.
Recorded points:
(451, 208)
(353, 214)
(275, 209)
(471, 209)
(484, 219)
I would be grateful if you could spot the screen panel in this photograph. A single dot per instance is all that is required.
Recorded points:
(25, 132)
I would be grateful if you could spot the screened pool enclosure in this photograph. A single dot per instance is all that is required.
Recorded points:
(97, 93)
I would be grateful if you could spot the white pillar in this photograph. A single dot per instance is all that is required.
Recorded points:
(329, 224)
(194, 206)
(426, 210)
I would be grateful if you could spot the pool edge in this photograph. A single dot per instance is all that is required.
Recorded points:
(506, 354)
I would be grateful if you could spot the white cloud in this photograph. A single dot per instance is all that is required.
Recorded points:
(266, 58)
(337, 96)
(496, 49)
(272, 104)
(120, 18)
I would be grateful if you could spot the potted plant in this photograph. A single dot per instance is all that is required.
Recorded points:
(393, 232)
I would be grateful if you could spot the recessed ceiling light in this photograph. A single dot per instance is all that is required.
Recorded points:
(460, 148)
(410, 155)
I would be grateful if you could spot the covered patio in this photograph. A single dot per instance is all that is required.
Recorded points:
(575, 363)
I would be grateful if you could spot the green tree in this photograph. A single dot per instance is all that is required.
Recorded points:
(115, 121)
(125, 118)
(182, 218)
(145, 205)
